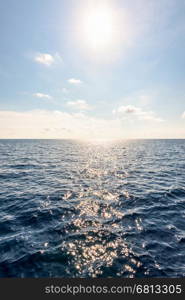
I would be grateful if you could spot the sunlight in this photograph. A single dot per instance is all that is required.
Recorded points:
(99, 34)
(99, 27)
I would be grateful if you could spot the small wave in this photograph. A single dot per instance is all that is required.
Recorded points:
(71, 209)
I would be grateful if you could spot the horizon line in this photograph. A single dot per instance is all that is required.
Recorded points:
(98, 139)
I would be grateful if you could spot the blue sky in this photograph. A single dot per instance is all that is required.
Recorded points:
(88, 68)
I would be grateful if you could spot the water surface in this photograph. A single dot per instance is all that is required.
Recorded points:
(92, 209)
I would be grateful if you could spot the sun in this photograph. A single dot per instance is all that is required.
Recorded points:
(99, 28)
(101, 31)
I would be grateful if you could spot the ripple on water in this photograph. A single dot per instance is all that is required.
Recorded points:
(76, 209)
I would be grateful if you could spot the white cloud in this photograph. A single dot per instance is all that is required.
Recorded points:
(183, 115)
(44, 58)
(60, 125)
(42, 96)
(75, 81)
(56, 124)
(47, 59)
(79, 105)
(139, 113)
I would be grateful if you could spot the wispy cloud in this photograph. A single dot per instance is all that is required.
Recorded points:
(56, 124)
(79, 105)
(47, 59)
(42, 96)
(60, 124)
(139, 113)
(75, 81)
(183, 115)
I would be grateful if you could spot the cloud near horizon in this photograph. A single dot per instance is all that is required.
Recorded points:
(46, 124)
(139, 113)
(79, 105)
(56, 124)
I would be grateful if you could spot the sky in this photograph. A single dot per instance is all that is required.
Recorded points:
(106, 69)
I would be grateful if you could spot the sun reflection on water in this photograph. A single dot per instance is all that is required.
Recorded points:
(97, 241)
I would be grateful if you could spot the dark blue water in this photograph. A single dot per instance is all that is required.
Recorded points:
(92, 209)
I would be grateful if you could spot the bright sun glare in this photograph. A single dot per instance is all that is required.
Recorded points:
(99, 28)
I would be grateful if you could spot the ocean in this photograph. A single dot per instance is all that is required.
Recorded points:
(92, 209)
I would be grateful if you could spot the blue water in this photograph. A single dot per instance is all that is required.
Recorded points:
(92, 209)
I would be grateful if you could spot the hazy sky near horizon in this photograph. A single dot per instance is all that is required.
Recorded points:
(92, 69)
